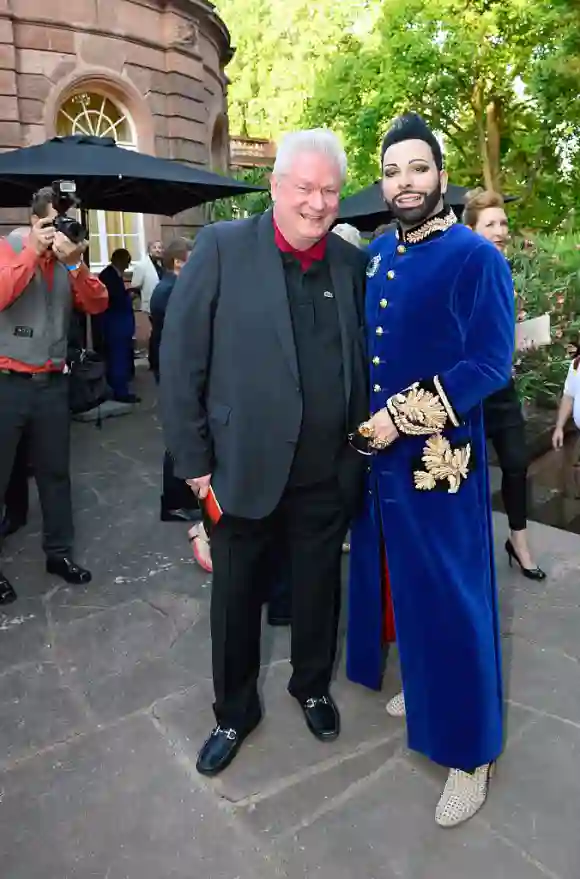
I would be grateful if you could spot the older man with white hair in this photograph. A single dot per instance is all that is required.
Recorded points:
(263, 375)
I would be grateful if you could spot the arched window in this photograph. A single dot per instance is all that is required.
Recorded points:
(96, 114)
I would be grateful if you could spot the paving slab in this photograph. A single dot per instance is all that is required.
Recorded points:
(105, 698)
(24, 632)
(120, 659)
(387, 831)
(37, 709)
(117, 804)
(282, 750)
(545, 679)
(536, 801)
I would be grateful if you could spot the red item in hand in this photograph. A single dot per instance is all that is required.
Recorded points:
(212, 507)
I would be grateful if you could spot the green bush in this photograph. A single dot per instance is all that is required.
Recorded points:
(546, 271)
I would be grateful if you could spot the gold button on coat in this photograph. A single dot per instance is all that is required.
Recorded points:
(376, 388)
(390, 274)
(383, 303)
(379, 331)
(401, 248)
(376, 360)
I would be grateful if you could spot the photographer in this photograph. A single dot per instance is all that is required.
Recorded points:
(42, 278)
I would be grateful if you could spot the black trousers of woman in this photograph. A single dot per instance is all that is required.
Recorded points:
(505, 427)
(177, 495)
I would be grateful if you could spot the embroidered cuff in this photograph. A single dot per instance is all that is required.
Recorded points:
(446, 466)
(422, 409)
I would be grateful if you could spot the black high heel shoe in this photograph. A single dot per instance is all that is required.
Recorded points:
(530, 573)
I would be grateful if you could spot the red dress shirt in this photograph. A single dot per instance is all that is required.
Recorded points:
(315, 253)
(16, 271)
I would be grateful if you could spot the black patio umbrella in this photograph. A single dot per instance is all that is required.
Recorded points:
(366, 209)
(111, 178)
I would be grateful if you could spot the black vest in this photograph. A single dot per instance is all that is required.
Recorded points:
(319, 352)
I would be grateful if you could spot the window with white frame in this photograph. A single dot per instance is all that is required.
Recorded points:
(96, 114)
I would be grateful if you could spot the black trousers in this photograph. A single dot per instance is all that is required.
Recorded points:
(39, 408)
(16, 495)
(509, 442)
(309, 526)
(177, 495)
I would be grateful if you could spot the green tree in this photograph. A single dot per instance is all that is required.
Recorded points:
(481, 73)
(243, 205)
(281, 48)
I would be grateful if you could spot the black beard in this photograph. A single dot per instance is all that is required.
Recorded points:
(415, 216)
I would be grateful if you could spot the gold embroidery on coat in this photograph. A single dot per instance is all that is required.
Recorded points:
(417, 411)
(445, 400)
(442, 462)
(436, 224)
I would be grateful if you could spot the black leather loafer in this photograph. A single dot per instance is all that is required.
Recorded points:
(7, 593)
(322, 717)
(219, 749)
(68, 570)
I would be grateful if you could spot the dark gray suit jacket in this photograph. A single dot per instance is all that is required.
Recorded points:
(231, 400)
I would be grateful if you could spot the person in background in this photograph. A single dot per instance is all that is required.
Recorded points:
(352, 235)
(348, 233)
(118, 327)
(178, 503)
(262, 377)
(146, 275)
(569, 404)
(40, 265)
(484, 212)
(174, 258)
(16, 498)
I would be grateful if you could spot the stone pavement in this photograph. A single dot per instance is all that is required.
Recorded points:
(105, 696)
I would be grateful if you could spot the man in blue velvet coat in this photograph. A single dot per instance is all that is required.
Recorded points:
(440, 334)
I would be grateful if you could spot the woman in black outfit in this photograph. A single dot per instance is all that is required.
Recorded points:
(178, 503)
(484, 213)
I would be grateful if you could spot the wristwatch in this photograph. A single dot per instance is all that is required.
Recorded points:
(75, 267)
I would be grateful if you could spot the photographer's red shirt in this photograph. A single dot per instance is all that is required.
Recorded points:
(16, 271)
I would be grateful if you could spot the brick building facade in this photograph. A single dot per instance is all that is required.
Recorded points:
(148, 72)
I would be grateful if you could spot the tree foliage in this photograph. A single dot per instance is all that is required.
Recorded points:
(498, 79)
(237, 207)
(482, 74)
(282, 46)
(547, 280)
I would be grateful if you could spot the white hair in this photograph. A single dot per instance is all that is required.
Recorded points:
(349, 233)
(314, 140)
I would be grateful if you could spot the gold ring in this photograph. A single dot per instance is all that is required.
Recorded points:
(366, 430)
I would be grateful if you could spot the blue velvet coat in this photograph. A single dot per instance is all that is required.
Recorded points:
(440, 332)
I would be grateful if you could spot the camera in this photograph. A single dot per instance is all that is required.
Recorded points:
(63, 199)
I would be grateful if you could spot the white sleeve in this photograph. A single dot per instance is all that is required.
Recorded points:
(571, 384)
(138, 276)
